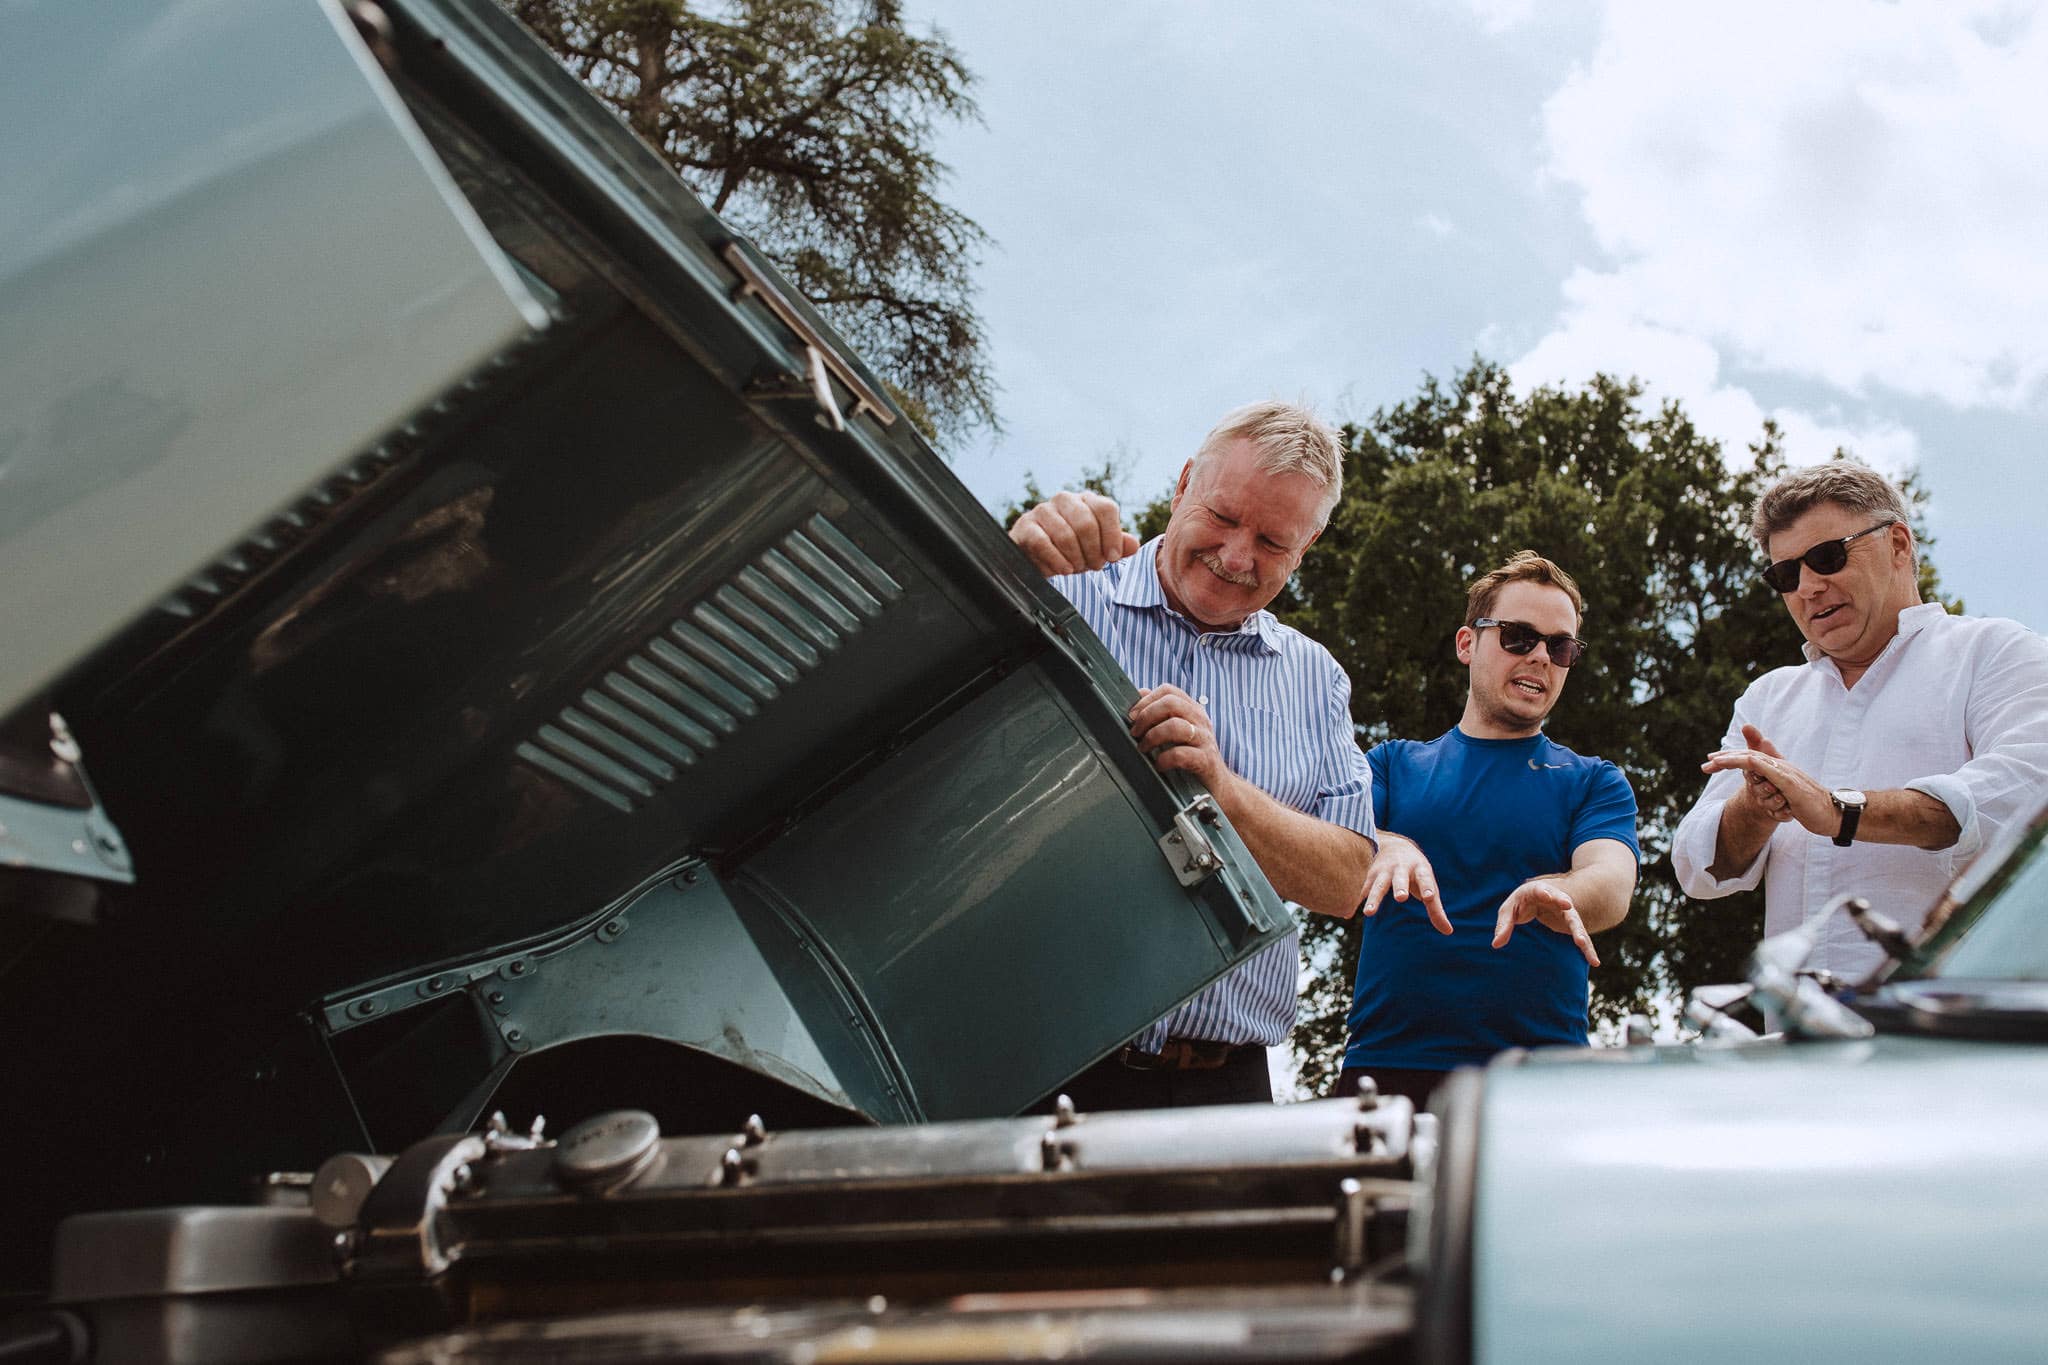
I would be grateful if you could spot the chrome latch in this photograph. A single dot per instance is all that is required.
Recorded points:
(822, 362)
(1187, 846)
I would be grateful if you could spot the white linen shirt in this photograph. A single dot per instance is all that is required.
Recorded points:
(1281, 709)
(1954, 706)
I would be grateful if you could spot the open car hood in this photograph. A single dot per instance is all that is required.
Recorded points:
(644, 680)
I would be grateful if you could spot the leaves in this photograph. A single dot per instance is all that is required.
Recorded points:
(807, 124)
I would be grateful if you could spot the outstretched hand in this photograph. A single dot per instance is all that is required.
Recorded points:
(1549, 905)
(1400, 868)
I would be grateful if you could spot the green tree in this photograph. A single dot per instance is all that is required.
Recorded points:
(1107, 479)
(1652, 521)
(807, 124)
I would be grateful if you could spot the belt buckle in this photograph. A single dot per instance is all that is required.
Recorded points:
(1138, 1060)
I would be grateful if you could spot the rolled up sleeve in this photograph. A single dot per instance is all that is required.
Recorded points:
(1345, 790)
(2005, 723)
(1692, 846)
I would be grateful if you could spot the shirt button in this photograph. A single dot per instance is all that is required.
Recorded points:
(1201, 701)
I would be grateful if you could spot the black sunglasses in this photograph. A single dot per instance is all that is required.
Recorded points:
(1830, 556)
(1519, 638)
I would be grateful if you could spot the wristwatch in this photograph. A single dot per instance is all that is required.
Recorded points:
(1850, 803)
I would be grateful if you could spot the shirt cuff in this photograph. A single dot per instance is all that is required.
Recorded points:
(1692, 853)
(1352, 811)
(1954, 793)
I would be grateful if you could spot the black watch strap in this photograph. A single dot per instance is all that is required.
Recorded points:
(1851, 817)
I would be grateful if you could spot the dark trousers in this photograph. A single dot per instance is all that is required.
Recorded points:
(1416, 1085)
(1113, 1084)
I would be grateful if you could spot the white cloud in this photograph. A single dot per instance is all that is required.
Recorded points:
(1845, 192)
(1498, 16)
(1673, 364)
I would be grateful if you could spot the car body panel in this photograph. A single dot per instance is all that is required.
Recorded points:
(644, 683)
(1874, 1200)
(159, 321)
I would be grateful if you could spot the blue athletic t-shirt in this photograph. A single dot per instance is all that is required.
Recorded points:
(1489, 814)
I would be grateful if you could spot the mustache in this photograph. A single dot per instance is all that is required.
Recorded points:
(1215, 566)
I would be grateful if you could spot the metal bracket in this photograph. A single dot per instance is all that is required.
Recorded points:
(64, 839)
(1188, 849)
(822, 362)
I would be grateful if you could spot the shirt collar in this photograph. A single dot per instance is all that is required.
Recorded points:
(1912, 621)
(1137, 586)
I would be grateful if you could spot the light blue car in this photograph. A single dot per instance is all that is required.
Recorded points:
(1867, 1182)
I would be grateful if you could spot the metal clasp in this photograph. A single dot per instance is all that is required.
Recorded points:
(1187, 846)
(822, 363)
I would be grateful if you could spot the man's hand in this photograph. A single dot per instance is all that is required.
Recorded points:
(1760, 798)
(1401, 869)
(1073, 533)
(1550, 906)
(1773, 788)
(1174, 730)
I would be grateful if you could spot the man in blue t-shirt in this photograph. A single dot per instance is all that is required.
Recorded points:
(1503, 853)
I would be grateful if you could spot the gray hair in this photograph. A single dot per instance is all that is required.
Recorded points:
(1288, 439)
(1846, 483)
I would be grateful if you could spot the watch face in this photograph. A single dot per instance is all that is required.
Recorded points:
(1847, 796)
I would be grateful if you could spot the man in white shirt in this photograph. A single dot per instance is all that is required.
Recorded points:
(1907, 740)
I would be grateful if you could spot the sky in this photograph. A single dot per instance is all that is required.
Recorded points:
(1834, 214)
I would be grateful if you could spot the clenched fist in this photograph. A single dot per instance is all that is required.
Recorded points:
(1073, 533)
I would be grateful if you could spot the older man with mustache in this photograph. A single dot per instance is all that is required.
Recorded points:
(1258, 711)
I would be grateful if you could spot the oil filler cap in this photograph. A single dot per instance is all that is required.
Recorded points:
(607, 1149)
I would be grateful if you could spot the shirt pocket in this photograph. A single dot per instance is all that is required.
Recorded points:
(1276, 751)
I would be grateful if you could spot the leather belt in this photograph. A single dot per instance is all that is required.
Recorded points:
(1188, 1054)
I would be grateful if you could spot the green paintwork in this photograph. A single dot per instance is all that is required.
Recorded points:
(601, 692)
(161, 319)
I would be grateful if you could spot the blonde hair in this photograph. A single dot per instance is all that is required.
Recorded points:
(1289, 439)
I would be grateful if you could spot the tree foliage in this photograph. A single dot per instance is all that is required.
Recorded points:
(1643, 511)
(1107, 479)
(807, 124)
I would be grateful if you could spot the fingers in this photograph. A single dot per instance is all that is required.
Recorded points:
(1073, 533)
(1576, 927)
(1108, 525)
(1158, 704)
(1433, 903)
(1534, 900)
(1030, 536)
(1754, 738)
(1173, 730)
(1376, 890)
(1768, 797)
(1080, 515)
(1406, 880)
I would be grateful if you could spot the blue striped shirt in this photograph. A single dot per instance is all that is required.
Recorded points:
(1281, 708)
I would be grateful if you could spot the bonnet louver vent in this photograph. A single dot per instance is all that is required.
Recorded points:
(714, 668)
